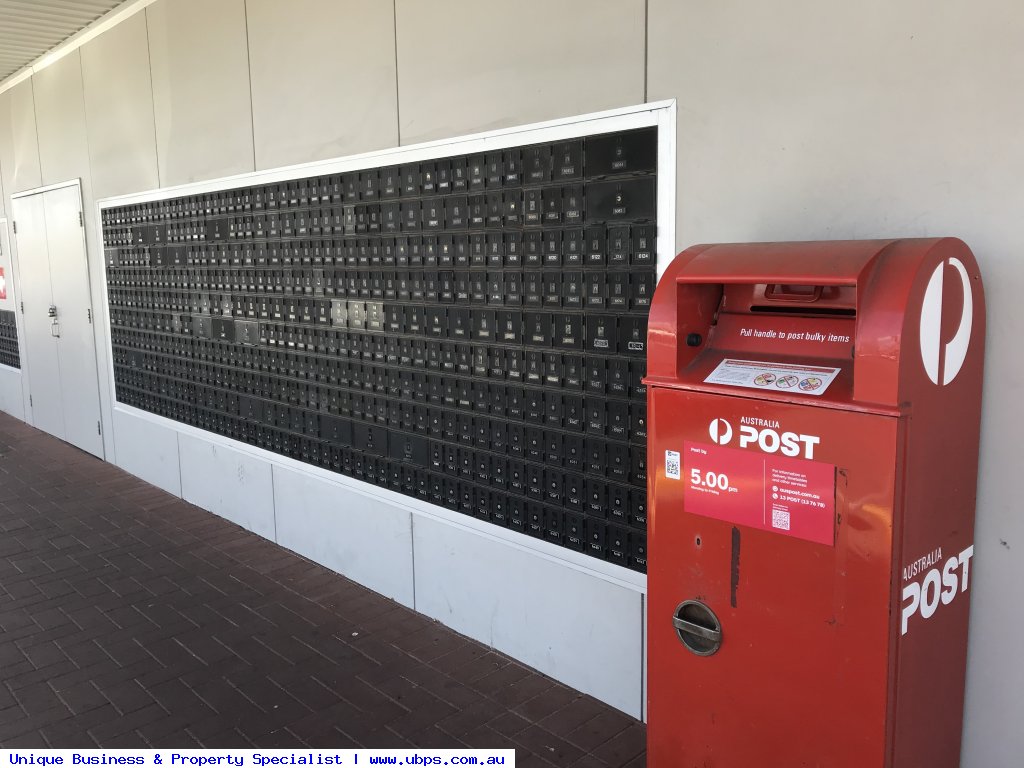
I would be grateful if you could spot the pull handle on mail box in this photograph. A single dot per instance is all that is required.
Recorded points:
(846, 301)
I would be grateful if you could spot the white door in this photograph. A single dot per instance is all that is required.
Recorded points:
(76, 345)
(59, 341)
(47, 407)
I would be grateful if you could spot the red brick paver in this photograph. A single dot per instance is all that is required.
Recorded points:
(129, 618)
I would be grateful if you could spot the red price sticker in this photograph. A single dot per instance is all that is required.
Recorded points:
(794, 497)
(3, 284)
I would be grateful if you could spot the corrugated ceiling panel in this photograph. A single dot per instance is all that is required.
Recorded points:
(30, 28)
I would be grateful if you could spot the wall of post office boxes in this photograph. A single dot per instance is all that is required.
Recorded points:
(9, 353)
(469, 330)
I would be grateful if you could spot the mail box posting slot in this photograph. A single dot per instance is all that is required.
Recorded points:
(812, 502)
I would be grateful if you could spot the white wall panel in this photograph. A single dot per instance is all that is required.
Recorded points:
(60, 122)
(810, 120)
(14, 395)
(581, 630)
(119, 108)
(466, 66)
(3, 194)
(11, 400)
(645, 668)
(201, 97)
(10, 393)
(360, 536)
(323, 78)
(19, 150)
(229, 483)
(147, 450)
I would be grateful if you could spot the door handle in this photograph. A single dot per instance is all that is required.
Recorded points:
(54, 324)
(697, 627)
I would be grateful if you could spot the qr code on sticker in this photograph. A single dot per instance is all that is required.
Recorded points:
(780, 519)
(672, 465)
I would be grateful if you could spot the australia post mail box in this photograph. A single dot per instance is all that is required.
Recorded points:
(813, 432)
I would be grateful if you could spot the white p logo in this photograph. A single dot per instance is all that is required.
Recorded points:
(943, 362)
(720, 431)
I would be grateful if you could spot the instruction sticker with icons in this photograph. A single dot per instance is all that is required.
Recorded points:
(777, 377)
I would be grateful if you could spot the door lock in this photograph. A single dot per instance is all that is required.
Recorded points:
(697, 627)
(52, 311)
(54, 324)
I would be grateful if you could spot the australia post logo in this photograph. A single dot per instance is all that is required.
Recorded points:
(766, 435)
(933, 581)
(942, 362)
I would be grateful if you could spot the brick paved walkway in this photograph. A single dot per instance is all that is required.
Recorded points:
(129, 618)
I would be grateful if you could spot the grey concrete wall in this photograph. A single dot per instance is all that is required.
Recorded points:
(806, 119)
(323, 79)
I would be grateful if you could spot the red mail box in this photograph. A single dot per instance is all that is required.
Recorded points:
(813, 420)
